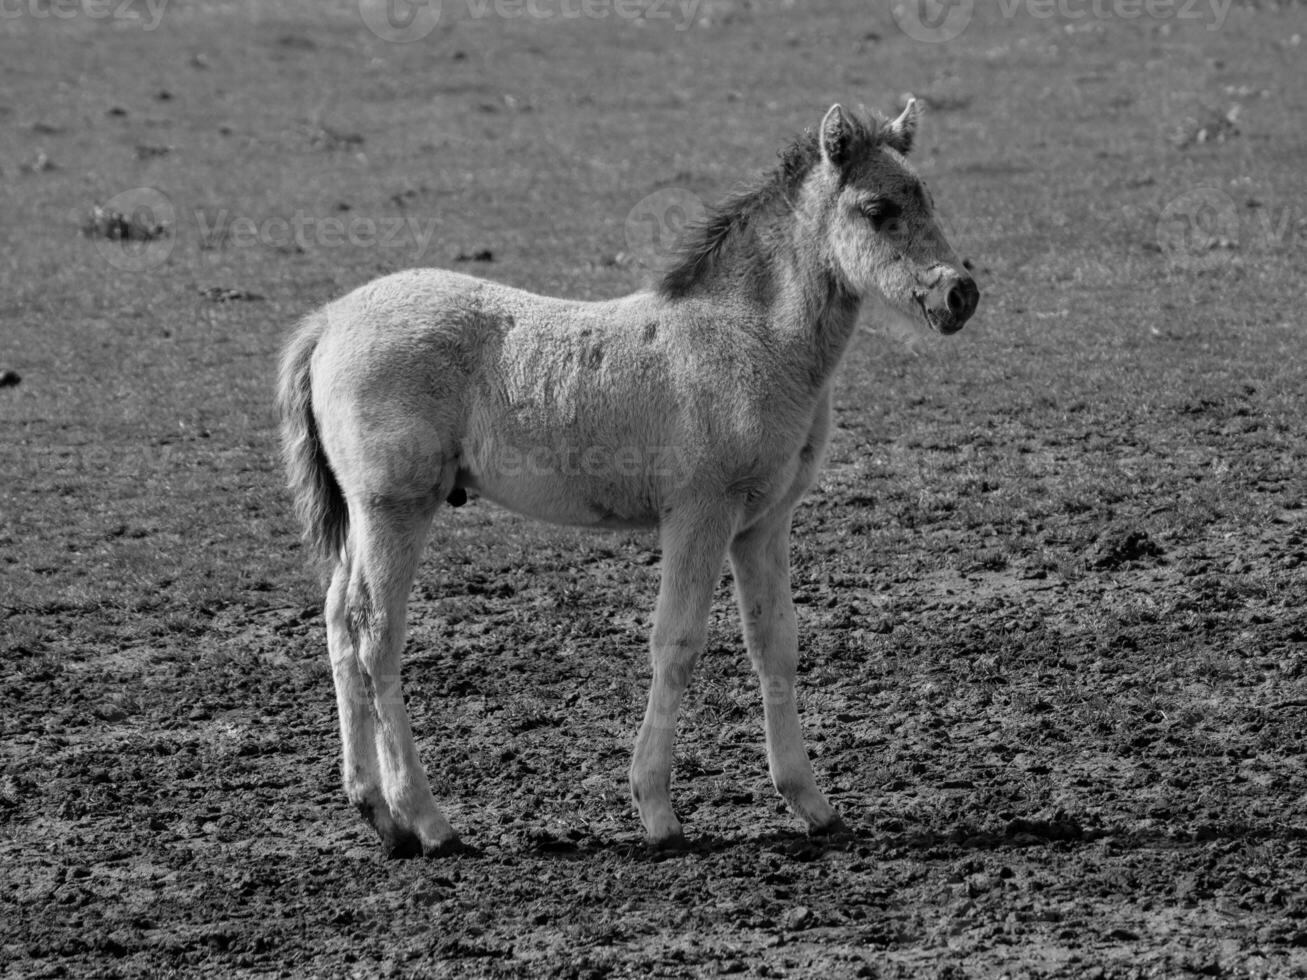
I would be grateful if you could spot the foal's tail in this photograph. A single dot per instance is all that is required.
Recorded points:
(319, 504)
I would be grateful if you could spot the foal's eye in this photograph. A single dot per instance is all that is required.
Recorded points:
(883, 215)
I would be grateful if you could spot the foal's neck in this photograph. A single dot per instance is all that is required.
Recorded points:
(814, 318)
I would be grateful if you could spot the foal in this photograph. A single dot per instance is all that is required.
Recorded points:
(700, 408)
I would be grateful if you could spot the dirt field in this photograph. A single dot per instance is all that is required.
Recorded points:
(1052, 588)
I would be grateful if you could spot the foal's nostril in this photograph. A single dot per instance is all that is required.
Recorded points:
(957, 300)
(952, 302)
(963, 299)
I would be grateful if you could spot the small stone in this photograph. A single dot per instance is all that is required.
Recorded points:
(797, 917)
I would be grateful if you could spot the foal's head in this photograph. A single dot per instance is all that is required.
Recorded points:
(880, 230)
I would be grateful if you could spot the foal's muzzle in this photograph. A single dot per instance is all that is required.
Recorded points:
(951, 302)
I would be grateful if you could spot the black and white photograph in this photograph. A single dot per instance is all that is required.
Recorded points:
(653, 488)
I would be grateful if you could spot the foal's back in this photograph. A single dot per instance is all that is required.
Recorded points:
(587, 413)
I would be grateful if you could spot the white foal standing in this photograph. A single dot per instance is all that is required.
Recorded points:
(700, 407)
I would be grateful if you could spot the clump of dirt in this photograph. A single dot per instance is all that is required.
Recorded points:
(1120, 546)
(1059, 827)
(39, 163)
(1211, 126)
(330, 139)
(226, 294)
(112, 224)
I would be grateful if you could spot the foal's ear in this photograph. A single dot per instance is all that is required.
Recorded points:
(902, 132)
(836, 136)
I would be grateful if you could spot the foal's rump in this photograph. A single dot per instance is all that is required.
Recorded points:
(390, 377)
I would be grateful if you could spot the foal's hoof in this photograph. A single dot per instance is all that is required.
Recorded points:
(834, 827)
(448, 848)
(669, 844)
(404, 846)
(397, 843)
(401, 845)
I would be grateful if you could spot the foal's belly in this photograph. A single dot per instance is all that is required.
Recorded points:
(560, 494)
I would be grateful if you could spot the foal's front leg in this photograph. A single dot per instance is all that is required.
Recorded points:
(691, 566)
(760, 558)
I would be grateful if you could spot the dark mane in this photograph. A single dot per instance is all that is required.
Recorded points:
(702, 244)
(739, 217)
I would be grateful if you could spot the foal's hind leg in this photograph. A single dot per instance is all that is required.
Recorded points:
(385, 542)
(760, 559)
(691, 567)
(358, 730)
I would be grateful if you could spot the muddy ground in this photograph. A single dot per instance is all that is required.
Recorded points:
(1051, 586)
